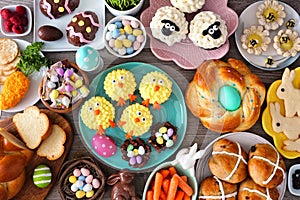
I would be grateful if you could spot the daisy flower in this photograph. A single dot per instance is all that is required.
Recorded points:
(287, 43)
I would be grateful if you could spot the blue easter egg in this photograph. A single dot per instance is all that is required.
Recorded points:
(87, 58)
(131, 37)
(115, 33)
(118, 24)
(129, 50)
(229, 98)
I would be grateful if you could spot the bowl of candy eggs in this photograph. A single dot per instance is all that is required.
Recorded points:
(124, 36)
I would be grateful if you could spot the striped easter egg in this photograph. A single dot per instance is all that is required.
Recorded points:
(42, 176)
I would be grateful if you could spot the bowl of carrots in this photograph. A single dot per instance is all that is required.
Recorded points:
(170, 182)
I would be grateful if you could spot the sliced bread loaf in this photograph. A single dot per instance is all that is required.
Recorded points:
(53, 147)
(33, 126)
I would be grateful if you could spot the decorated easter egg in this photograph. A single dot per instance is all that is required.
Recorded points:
(229, 98)
(42, 176)
(88, 59)
(104, 145)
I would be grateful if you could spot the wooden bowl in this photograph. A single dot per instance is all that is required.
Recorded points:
(72, 107)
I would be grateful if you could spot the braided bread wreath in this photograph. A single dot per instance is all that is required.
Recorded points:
(225, 96)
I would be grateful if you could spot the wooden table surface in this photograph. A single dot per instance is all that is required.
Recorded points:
(195, 131)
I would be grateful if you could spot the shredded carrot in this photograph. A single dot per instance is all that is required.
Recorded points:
(157, 185)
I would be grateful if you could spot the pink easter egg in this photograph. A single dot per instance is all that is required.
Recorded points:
(76, 172)
(95, 183)
(140, 38)
(104, 145)
(136, 45)
(85, 171)
(134, 24)
(89, 178)
(111, 43)
(125, 22)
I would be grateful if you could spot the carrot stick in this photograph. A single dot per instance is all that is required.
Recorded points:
(172, 170)
(173, 188)
(149, 195)
(162, 195)
(186, 197)
(157, 185)
(179, 195)
(166, 185)
(164, 172)
(184, 178)
(183, 185)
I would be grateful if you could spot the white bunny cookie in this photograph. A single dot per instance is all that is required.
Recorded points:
(289, 93)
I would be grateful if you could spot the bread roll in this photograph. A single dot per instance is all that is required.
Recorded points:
(226, 97)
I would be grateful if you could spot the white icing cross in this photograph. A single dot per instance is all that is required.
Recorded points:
(260, 193)
(223, 197)
(239, 156)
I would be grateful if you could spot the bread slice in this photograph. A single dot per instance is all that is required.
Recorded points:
(33, 126)
(53, 147)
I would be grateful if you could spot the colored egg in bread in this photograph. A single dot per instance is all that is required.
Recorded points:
(229, 98)
(88, 59)
(104, 145)
(42, 176)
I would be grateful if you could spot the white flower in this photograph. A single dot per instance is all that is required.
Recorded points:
(271, 14)
(287, 43)
(255, 40)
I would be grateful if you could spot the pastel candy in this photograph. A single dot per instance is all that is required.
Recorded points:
(118, 44)
(118, 24)
(81, 178)
(85, 171)
(72, 179)
(80, 194)
(112, 27)
(128, 29)
(74, 188)
(42, 176)
(108, 36)
(129, 50)
(122, 51)
(137, 32)
(131, 37)
(169, 143)
(79, 183)
(136, 45)
(134, 24)
(125, 22)
(115, 33)
(76, 172)
(140, 38)
(170, 132)
(87, 187)
(90, 194)
(96, 183)
(111, 43)
(89, 178)
(127, 43)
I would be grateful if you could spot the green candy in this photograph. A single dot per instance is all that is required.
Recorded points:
(42, 176)
(130, 147)
(229, 98)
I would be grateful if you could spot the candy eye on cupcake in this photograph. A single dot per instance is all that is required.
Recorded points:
(271, 14)
(208, 30)
(255, 40)
(287, 43)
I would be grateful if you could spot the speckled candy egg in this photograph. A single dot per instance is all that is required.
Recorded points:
(42, 176)
(88, 59)
(104, 145)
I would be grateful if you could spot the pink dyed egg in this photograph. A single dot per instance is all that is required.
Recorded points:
(85, 171)
(89, 178)
(96, 183)
(104, 145)
(76, 172)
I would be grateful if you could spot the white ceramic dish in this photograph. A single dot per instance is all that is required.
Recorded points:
(246, 140)
(61, 23)
(32, 96)
(290, 184)
(120, 18)
(131, 11)
(28, 27)
(248, 18)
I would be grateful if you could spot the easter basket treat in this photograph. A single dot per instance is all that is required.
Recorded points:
(84, 172)
(63, 87)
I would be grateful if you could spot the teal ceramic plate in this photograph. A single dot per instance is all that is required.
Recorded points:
(174, 111)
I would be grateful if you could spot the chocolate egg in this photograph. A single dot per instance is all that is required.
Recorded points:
(49, 33)
(104, 145)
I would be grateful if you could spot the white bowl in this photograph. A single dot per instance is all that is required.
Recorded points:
(120, 18)
(28, 27)
(290, 179)
(131, 11)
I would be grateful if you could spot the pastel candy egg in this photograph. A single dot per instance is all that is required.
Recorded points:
(163, 129)
(141, 150)
(160, 140)
(169, 143)
(89, 178)
(115, 33)
(78, 83)
(134, 24)
(139, 159)
(74, 93)
(79, 183)
(68, 73)
(51, 85)
(125, 22)
(131, 37)
(112, 27)
(140, 38)
(42, 176)
(132, 161)
(85, 171)
(118, 24)
(54, 94)
(60, 71)
(121, 37)
(136, 45)
(74, 188)
(158, 134)
(54, 79)
(87, 187)
(69, 88)
(72, 179)
(80, 194)
(165, 136)
(90, 194)
(111, 43)
(127, 43)
(136, 152)
(118, 44)
(104, 145)
(108, 36)
(128, 29)
(87, 58)
(130, 154)
(76, 172)
(81, 178)
(130, 147)
(229, 98)
(96, 183)
(170, 132)
(122, 51)
(66, 101)
(122, 31)
(137, 32)
(129, 50)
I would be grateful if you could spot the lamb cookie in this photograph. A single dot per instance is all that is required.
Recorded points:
(83, 28)
(58, 8)
(265, 166)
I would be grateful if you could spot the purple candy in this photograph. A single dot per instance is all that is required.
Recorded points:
(170, 132)
(60, 71)
(132, 161)
(68, 73)
(69, 88)
(139, 159)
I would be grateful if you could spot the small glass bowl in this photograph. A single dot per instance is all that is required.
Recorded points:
(131, 11)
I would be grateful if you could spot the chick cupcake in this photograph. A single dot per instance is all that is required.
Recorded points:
(120, 85)
(255, 40)
(155, 88)
(98, 114)
(188, 6)
(135, 120)
(287, 43)
(208, 30)
(270, 14)
(169, 25)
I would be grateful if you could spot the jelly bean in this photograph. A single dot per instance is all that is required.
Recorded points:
(85, 171)
(125, 22)
(112, 27)
(129, 50)
(170, 132)
(96, 183)
(76, 172)
(141, 150)
(72, 179)
(81, 178)
(118, 44)
(74, 188)
(134, 24)
(90, 194)
(88, 187)
(127, 43)
(159, 140)
(79, 183)
(115, 33)
(130, 147)
(51, 85)
(162, 129)
(131, 37)
(89, 178)
(136, 45)
(108, 36)
(54, 94)
(139, 159)
(140, 38)
(165, 136)
(130, 154)
(169, 143)
(118, 24)
(132, 161)
(137, 32)
(80, 194)
(128, 29)
(136, 152)
(122, 51)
